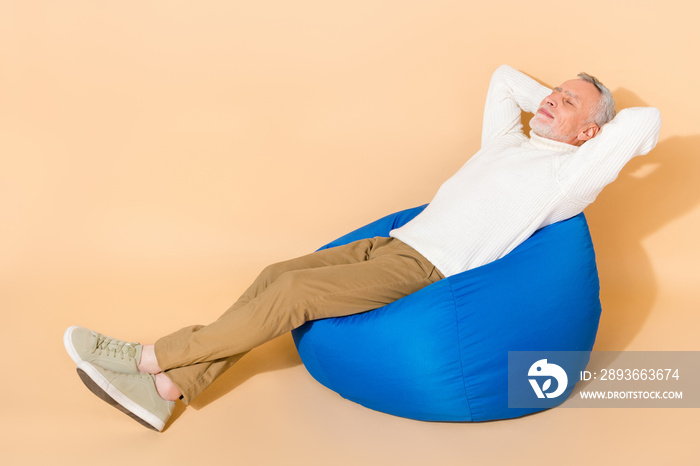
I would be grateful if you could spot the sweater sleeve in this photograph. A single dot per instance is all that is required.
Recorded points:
(633, 132)
(510, 92)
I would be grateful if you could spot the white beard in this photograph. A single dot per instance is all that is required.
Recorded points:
(542, 129)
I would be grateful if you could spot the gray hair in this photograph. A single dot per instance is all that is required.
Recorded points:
(605, 111)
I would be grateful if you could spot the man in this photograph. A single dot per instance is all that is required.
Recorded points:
(511, 187)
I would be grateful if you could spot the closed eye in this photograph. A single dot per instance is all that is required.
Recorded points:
(570, 98)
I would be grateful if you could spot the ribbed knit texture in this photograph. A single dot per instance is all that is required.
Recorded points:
(515, 185)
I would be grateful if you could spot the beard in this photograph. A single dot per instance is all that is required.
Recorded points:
(543, 129)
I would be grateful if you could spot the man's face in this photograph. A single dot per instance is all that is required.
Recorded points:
(564, 115)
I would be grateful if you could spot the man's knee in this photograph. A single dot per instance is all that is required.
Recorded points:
(271, 272)
(289, 281)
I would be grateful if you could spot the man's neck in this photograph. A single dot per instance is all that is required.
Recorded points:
(550, 144)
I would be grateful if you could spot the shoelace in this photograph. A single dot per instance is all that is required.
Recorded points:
(114, 347)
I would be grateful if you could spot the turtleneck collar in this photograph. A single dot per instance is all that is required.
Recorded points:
(550, 144)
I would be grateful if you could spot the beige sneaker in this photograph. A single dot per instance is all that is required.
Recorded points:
(116, 355)
(133, 394)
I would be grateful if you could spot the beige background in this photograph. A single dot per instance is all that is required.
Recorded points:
(157, 154)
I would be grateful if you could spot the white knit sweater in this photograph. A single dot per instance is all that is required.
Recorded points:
(515, 185)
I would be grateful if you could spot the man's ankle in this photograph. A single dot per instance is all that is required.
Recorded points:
(148, 363)
(166, 388)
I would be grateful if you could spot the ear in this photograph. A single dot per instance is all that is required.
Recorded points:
(588, 132)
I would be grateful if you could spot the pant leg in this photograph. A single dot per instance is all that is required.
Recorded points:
(388, 270)
(203, 373)
(355, 251)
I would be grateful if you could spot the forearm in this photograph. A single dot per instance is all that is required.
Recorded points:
(510, 92)
(633, 132)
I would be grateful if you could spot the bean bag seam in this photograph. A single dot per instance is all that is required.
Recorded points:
(459, 347)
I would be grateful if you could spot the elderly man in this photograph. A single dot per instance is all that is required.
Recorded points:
(511, 187)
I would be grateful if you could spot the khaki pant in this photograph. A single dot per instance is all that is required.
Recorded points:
(339, 281)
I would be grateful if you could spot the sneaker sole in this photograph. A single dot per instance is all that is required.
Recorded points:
(68, 343)
(107, 392)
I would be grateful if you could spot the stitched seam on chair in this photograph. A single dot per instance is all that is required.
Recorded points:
(459, 347)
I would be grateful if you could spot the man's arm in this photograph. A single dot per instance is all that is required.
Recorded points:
(633, 132)
(510, 92)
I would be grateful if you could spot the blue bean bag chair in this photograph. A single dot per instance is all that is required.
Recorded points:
(442, 353)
